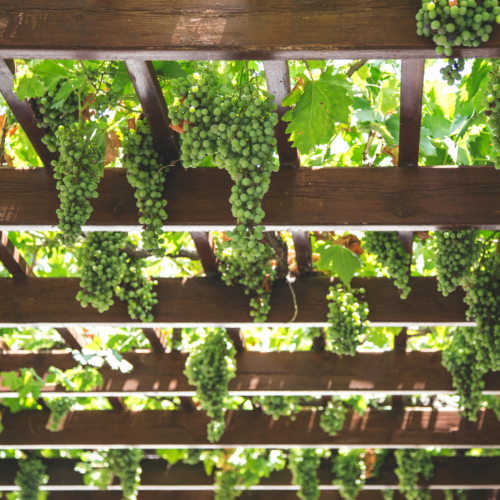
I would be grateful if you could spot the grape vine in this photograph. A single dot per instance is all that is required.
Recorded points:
(29, 477)
(348, 469)
(411, 464)
(304, 464)
(347, 318)
(59, 408)
(236, 127)
(332, 418)
(389, 253)
(209, 367)
(279, 406)
(491, 101)
(126, 464)
(451, 72)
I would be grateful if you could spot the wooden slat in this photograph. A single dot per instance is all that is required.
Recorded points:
(11, 259)
(277, 373)
(23, 112)
(394, 199)
(156, 338)
(252, 429)
(72, 338)
(238, 338)
(209, 301)
(153, 103)
(230, 29)
(205, 250)
(303, 251)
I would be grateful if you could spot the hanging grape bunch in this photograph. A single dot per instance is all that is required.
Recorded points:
(454, 23)
(491, 101)
(451, 72)
(236, 127)
(332, 417)
(146, 175)
(456, 254)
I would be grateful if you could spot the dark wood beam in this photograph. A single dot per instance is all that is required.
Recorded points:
(390, 199)
(11, 258)
(252, 429)
(147, 87)
(72, 338)
(238, 338)
(209, 301)
(303, 251)
(314, 372)
(23, 111)
(156, 338)
(205, 249)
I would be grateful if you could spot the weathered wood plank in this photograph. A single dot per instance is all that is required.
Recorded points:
(298, 199)
(11, 258)
(156, 338)
(72, 338)
(209, 301)
(205, 249)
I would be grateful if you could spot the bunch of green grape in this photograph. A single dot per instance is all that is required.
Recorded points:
(460, 359)
(29, 478)
(102, 267)
(412, 464)
(256, 276)
(347, 318)
(456, 254)
(453, 23)
(78, 171)
(304, 464)
(451, 72)
(146, 175)
(210, 367)
(235, 126)
(126, 464)
(59, 408)
(279, 406)
(137, 289)
(491, 101)
(51, 117)
(390, 253)
(348, 470)
(332, 418)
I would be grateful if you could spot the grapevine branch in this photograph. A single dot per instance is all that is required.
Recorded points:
(355, 66)
(281, 249)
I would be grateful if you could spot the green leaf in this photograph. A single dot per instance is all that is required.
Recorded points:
(169, 69)
(323, 103)
(29, 87)
(426, 143)
(340, 261)
(64, 92)
(171, 456)
(292, 98)
(363, 110)
(388, 97)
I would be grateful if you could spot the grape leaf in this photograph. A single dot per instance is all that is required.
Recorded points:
(387, 99)
(363, 110)
(29, 87)
(323, 103)
(339, 260)
(169, 69)
(425, 142)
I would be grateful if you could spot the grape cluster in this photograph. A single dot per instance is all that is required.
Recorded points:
(347, 318)
(255, 276)
(209, 367)
(51, 118)
(456, 253)
(453, 23)
(126, 464)
(460, 359)
(236, 127)
(389, 253)
(29, 477)
(102, 267)
(484, 308)
(146, 175)
(491, 100)
(192, 456)
(137, 289)
(411, 464)
(348, 470)
(59, 408)
(78, 172)
(279, 406)
(303, 464)
(226, 483)
(332, 417)
(451, 72)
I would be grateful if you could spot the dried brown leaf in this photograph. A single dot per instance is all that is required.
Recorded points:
(112, 144)
(12, 130)
(131, 123)
(350, 242)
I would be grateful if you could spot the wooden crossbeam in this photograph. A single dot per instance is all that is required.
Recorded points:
(209, 301)
(298, 199)
(72, 338)
(229, 30)
(238, 338)
(251, 429)
(204, 247)
(316, 372)
(11, 258)
(156, 338)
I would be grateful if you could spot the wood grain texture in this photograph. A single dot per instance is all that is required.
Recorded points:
(303, 251)
(72, 338)
(189, 30)
(205, 249)
(156, 338)
(280, 373)
(209, 301)
(252, 429)
(298, 199)
(11, 259)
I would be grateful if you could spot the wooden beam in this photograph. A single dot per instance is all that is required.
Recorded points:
(238, 337)
(72, 338)
(209, 301)
(204, 247)
(11, 258)
(270, 373)
(303, 251)
(147, 87)
(156, 338)
(23, 112)
(387, 199)
(250, 429)
(226, 31)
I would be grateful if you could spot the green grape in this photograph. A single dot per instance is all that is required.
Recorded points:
(348, 470)
(303, 464)
(146, 174)
(126, 464)
(59, 408)
(236, 128)
(451, 494)
(255, 276)
(491, 101)
(456, 253)
(332, 418)
(411, 464)
(348, 320)
(451, 72)
(29, 477)
(102, 266)
(279, 406)
(192, 456)
(225, 485)
(389, 252)
(209, 367)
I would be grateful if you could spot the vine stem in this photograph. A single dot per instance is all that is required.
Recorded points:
(308, 69)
